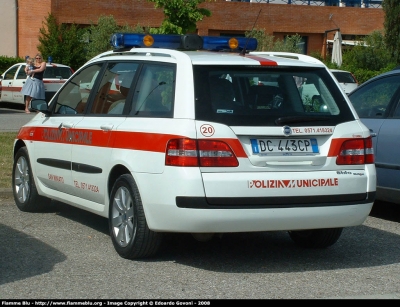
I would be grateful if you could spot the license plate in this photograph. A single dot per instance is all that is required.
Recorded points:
(281, 146)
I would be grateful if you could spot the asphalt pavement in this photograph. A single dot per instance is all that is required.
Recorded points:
(13, 117)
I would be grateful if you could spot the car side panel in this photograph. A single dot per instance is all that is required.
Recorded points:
(91, 157)
(387, 154)
(12, 84)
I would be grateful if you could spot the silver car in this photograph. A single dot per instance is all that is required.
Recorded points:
(377, 102)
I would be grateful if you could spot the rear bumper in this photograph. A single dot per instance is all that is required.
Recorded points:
(182, 206)
(274, 202)
(172, 219)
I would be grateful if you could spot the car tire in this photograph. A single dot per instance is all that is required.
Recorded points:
(26, 196)
(130, 234)
(316, 238)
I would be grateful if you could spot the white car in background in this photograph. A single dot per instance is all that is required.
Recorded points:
(12, 80)
(346, 80)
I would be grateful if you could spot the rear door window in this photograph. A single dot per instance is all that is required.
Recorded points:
(155, 91)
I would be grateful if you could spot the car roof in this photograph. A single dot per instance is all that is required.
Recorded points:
(47, 64)
(339, 70)
(214, 58)
(385, 74)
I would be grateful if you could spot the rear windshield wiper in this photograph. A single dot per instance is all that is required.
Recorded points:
(299, 119)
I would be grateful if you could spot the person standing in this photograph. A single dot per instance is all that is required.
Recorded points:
(34, 86)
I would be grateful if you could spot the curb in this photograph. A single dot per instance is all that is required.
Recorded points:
(6, 192)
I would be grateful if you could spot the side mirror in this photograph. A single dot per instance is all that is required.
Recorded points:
(40, 105)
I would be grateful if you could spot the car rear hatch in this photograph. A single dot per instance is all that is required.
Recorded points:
(55, 76)
(292, 149)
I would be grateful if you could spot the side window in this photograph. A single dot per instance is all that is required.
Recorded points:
(10, 74)
(113, 93)
(73, 97)
(155, 91)
(21, 73)
(372, 100)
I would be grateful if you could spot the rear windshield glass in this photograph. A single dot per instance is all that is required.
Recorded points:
(258, 96)
(57, 73)
(344, 77)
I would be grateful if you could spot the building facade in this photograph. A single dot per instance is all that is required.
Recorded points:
(315, 21)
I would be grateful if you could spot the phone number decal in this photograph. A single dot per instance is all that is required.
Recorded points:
(313, 130)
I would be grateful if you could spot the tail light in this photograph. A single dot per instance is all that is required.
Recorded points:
(355, 152)
(205, 153)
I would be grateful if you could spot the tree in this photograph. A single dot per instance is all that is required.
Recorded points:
(98, 35)
(369, 57)
(267, 42)
(181, 16)
(392, 27)
(62, 42)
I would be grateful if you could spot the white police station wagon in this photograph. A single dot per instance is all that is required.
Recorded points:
(190, 134)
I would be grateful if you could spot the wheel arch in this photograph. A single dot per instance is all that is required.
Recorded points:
(18, 144)
(115, 172)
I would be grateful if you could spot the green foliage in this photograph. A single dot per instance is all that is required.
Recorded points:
(370, 53)
(62, 42)
(368, 58)
(267, 42)
(73, 46)
(317, 55)
(98, 35)
(181, 16)
(6, 158)
(6, 62)
(392, 29)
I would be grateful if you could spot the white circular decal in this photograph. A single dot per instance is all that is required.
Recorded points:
(207, 130)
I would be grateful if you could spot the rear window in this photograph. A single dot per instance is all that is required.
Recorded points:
(259, 96)
(57, 72)
(344, 77)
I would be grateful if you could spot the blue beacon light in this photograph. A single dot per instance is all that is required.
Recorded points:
(133, 40)
(182, 42)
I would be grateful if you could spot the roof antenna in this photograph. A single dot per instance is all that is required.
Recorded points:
(243, 52)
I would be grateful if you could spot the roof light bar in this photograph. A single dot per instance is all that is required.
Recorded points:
(132, 40)
(229, 43)
(182, 42)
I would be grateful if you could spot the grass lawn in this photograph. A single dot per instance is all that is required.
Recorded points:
(6, 158)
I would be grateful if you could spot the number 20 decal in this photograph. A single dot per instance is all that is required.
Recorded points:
(207, 130)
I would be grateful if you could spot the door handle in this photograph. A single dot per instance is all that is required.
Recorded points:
(66, 125)
(372, 133)
(106, 127)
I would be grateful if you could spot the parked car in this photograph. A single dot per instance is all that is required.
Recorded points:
(12, 80)
(171, 133)
(377, 102)
(346, 80)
